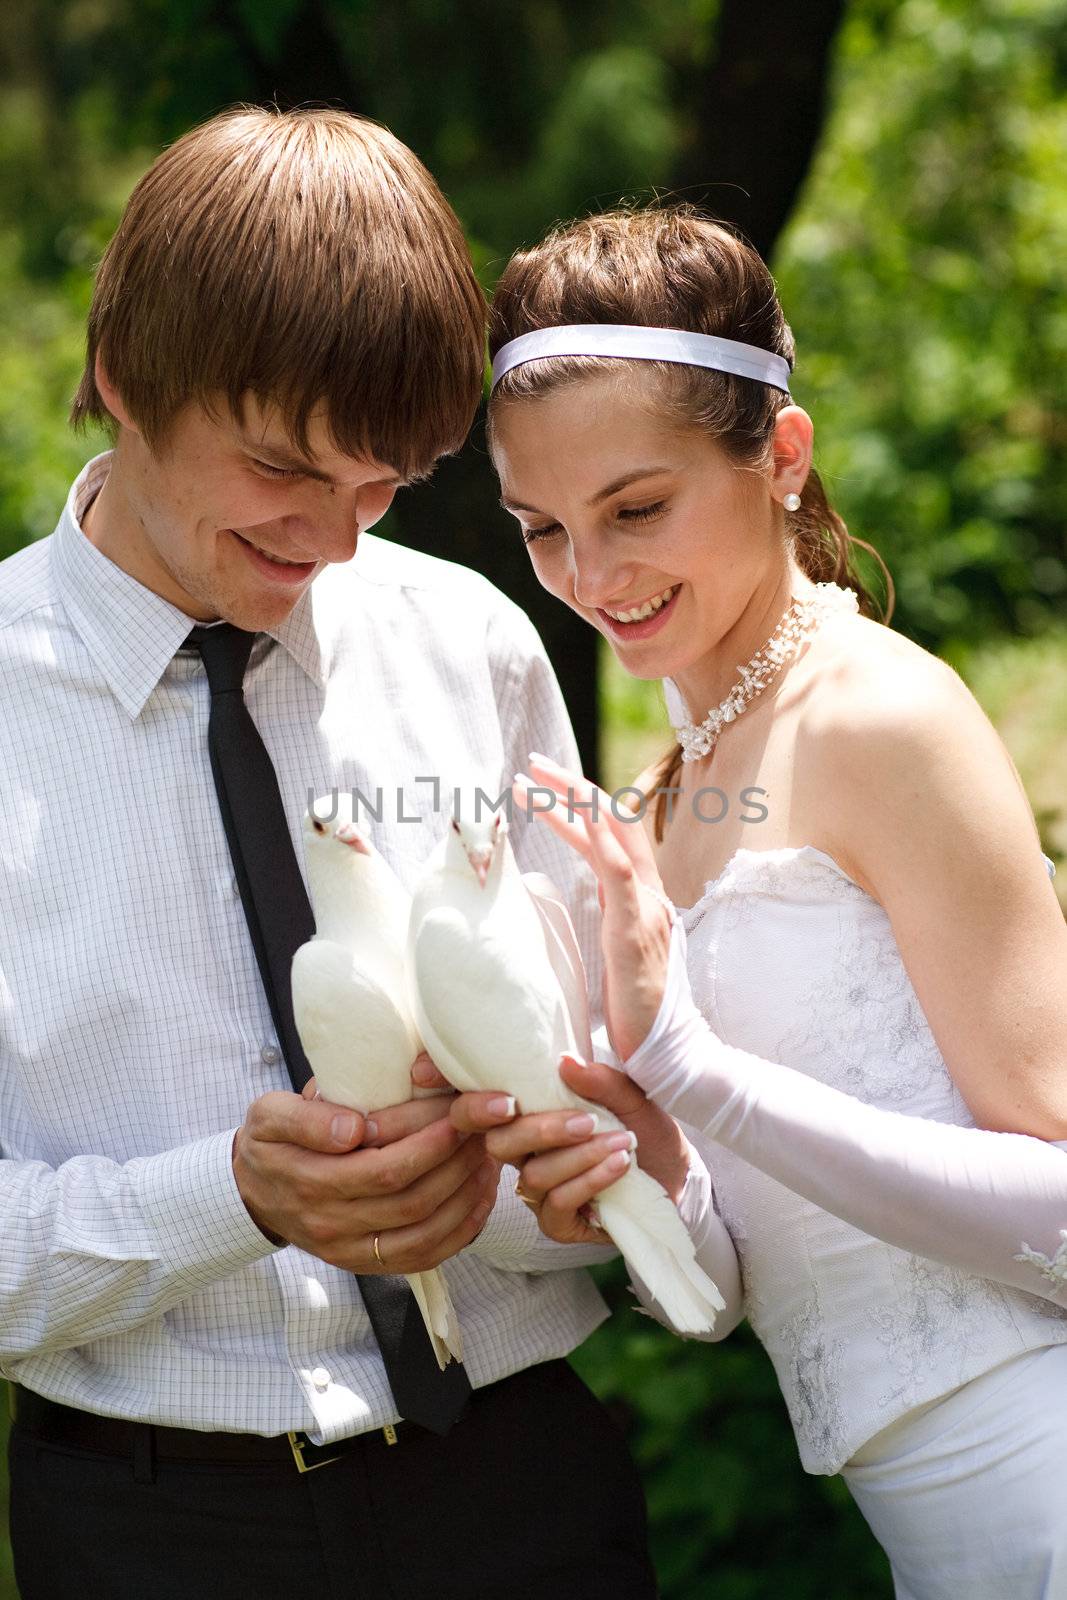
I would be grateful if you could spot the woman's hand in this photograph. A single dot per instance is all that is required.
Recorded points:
(562, 1164)
(636, 930)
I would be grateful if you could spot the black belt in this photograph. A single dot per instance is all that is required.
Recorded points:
(145, 1442)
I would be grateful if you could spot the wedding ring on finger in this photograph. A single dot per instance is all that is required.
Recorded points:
(377, 1252)
(534, 1205)
(592, 1221)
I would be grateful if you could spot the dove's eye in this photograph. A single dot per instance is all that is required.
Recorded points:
(455, 825)
(319, 827)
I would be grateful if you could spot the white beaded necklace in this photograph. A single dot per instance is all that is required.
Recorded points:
(799, 623)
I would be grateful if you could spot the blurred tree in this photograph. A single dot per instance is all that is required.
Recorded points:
(926, 275)
(759, 111)
(524, 113)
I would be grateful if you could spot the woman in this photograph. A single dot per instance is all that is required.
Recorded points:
(877, 954)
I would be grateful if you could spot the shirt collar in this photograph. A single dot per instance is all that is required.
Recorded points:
(131, 633)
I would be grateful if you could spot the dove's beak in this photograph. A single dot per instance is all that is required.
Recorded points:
(353, 838)
(479, 860)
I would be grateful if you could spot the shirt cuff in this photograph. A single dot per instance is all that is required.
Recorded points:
(190, 1200)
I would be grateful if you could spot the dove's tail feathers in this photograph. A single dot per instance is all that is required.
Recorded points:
(641, 1218)
(439, 1314)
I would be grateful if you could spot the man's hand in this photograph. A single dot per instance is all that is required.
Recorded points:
(310, 1176)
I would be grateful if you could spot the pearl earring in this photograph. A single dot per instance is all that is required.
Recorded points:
(792, 502)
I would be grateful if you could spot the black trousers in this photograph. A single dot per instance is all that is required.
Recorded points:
(533, 1496)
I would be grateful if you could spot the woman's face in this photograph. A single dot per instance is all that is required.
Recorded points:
(650, 532)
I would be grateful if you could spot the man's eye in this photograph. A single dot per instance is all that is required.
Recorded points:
(531, 535)
(275, 472)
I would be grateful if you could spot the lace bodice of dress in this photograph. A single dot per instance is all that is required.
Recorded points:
(794, 962)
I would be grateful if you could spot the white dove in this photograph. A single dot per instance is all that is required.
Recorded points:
(498, 994)
(350, 1001)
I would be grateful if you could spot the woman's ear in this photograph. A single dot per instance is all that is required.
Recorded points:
(111, 397)
(793, 439)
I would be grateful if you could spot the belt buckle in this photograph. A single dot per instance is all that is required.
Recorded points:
(297, 1443)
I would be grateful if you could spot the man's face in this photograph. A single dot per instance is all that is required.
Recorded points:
(197, 519)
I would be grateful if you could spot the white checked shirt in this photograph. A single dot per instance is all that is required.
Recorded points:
(134, 1030)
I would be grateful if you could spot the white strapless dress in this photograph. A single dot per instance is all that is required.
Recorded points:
(877, 1350)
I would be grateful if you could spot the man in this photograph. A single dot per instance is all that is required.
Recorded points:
(285, 329)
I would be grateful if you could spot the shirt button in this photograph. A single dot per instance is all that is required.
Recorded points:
(270, 1055)
(320, 1378)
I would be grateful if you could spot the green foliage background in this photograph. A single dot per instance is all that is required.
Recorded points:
(924, 274)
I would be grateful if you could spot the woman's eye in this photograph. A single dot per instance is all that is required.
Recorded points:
(274, 472)
(631, 514)
(531, 535)
(642, 513)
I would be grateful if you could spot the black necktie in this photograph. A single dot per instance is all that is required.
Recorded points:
(280, 919)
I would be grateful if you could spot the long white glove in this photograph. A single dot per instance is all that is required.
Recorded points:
(993, 1204)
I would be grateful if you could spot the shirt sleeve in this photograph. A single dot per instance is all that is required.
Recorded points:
(96, 1247)
(991, 1204)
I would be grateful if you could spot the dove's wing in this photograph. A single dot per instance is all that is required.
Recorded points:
(486, 1020)
(358, 1040)
(561, 946)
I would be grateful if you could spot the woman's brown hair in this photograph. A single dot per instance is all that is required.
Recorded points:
(306, 257)
(672, 267)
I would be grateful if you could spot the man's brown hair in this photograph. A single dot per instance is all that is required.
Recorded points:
(306, 257)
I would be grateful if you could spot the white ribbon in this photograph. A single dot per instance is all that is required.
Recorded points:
(635, 343)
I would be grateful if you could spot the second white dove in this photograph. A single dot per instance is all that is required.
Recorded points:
(494, 999)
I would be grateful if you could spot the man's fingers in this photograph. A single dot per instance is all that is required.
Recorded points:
(477, 1112)
(419, 1199)
(387, 1168)
(399, 1122)
(424, 1245)
(281, 1118)
(425, 1075)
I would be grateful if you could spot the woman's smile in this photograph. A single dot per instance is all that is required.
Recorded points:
(640, 620)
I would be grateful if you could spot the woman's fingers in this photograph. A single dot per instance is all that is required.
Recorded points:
(594, 806)
(540, 1174)
(565, 827)
(562, 1211)
(665, 1153)
(617, 849)
(538, 1132)
(615, 874)
(604, 1085)
(614, 869)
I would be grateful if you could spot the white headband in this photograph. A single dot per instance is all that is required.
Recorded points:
(637, 343)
